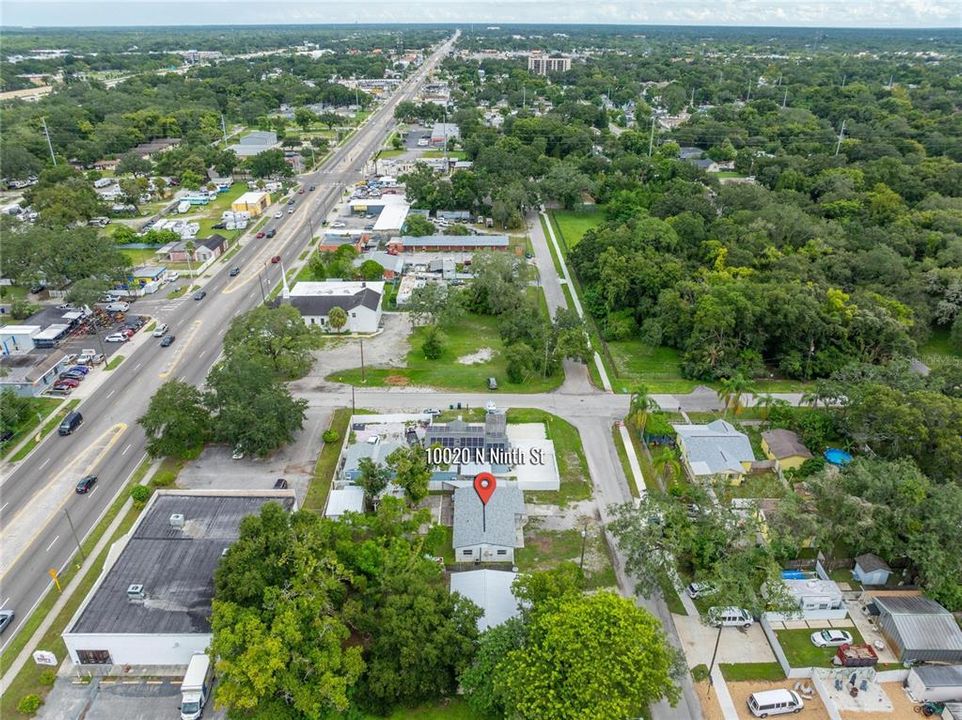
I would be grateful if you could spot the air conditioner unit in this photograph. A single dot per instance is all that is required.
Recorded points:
(177, 520)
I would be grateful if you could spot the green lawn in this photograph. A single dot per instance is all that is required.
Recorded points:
(545, 549)
(939, 344)
(727, 174)
(141, 256)
(798, 648)
(452, 154)
(473, 333)
(764, 485)
(569, 453)
(114, 362)
(387, 153)
(52, 421)
(672, 600)
(744, 672)
(573, 224)
(40, 408)
(320, 485)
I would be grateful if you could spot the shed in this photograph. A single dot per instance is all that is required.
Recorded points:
(935, 683)
(345, 499)
(870, 569)
(919, 629)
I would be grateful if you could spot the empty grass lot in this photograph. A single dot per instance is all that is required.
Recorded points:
(40, 408)
(800, 651)
(573, 224)
(471, 334)
(569, 453)
(545, 549)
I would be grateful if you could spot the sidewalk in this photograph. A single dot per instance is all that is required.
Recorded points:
(633, 461)
(26, 654)
(722, 695)
(602, 373)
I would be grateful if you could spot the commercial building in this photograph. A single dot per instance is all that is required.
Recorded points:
(491, 532)
(255, 143)
(31, 374)
(491, 591)
(442, 132)
(919, 629)
(487, 436)
(152, 604)
(17, 339)
(252, 202)
(362, 301)
(204, 249)
(542, 64)
(447, 243)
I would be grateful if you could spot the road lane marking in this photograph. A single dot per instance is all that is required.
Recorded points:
(126, 449)
(4, 603)
(111, 392)
(44, 464)
(115, 433)
(181, 349)
(52, 543)
(3, 506)
(137, 366)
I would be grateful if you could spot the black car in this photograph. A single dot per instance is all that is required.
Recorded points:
(291, 201)
(311, 188)
(6, 617)
(219, 226)
(280, 484)
(200, 295)
(272, 232)
(85, 484)
(79, 377)
(168, 340)
(234, 272)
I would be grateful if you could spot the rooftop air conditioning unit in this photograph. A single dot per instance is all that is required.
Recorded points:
(135, 593)
(177, 521)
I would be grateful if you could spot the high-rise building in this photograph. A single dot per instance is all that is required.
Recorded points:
(543, 64)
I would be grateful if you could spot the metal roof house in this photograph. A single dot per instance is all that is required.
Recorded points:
(152, 604)
(919, 629)
(870, 569)
(935, 683)
(488, 533)
(491, 591)
(715, 449)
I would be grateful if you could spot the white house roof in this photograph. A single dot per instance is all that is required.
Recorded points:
(715, 448)
(813, 588)
(345, 499)
(19, 330)
(490, 590)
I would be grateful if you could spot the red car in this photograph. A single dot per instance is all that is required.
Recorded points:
(276, 259)
(65, 383)
(259, 235)
(301, 191)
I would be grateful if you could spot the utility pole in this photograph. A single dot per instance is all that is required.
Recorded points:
(363, 380)
(223, 127)
(749, 98)
(784, 98)
(841, 136)
(651, 137)
(584, 540)
(80, 549)
(46, 134)
(714, 654)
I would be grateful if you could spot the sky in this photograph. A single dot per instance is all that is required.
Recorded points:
(775, 13)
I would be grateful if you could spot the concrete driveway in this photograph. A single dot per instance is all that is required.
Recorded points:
(736, 645)
(131, 700)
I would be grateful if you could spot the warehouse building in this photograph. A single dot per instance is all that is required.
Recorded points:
(152, 604)
(919, 629)
(447, 243)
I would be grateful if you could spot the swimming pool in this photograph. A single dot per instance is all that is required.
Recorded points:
(837, 456)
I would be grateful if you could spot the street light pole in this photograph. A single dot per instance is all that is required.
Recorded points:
(584, 541)
(362, 361)
(80, 549)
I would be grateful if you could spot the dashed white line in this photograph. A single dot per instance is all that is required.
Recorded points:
(137, 366)
(44, 464)
(52, 543)
(3, 506)
(126, 449)
(111, 392)
(4, 603)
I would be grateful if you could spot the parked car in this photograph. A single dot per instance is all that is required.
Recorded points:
(272, 232)
(338, 225)
(160, 330)
(71, 376)
(729, 617)
(238, 453)
(774, 702)
(234, 272)
(695, 590)
(290, 210)
(280, 484)
(276, 259)
(6, 617)
(85, 484)
(311, 188)
(127, 332)
(490, 406)
(82, 369)
(260, 234)
(278, 215)
(492, 383)
(67, 382)
(116, 337)
(831, 638)
(173, 276)
(219, 226)
(301, 191)
(369, 226)
(117, 307)
(200, 295)
(431, 411)
(168, 340)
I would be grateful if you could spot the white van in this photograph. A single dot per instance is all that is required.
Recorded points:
(774, 702)
(117, 307)
(729, 617)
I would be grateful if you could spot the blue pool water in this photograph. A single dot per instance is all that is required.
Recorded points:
(837, 456)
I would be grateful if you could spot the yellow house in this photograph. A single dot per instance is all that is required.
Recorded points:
(784, 447)
(255, 203)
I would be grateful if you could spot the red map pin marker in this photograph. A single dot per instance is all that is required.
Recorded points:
(484, 486)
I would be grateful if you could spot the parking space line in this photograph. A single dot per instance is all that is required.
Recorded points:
(52, 543)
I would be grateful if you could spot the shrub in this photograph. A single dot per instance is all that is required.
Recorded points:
(433, 346)
(47, 677)
(29, 704)
(330, 436)
(140, 494)
(699, 673)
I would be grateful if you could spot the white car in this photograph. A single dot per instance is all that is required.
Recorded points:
(338, 225)
(490, 406)
(160, 330)
(278, 215)
(116, 337)
(238, 454)
(695, 590)
(831, 638)
(117, 307)
(173, 276)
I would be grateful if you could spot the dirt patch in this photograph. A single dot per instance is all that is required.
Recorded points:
(814, 710)
(396, 380)
(477, 358)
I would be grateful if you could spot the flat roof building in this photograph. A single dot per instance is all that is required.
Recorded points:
(449, 243)
(152, 604)
(491, 591)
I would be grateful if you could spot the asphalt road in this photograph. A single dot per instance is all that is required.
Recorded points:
(111, 413)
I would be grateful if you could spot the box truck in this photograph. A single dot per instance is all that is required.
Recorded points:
(195, 689)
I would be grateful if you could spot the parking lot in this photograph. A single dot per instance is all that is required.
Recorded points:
(134, 699)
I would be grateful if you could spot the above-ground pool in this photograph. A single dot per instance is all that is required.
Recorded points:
(796, 575)
(837, 456)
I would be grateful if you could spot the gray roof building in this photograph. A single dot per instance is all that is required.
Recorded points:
(919, 629)
(318, 305)
(174, 565)
(452, 241)
(493, 524)
(457, 433)
(715, 448)
(785, 444)
(377, 452)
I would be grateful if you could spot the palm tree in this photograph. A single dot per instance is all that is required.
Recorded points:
(190, 247)
(337, 319)
(731, 391)
(641, 405)
(668, 466)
